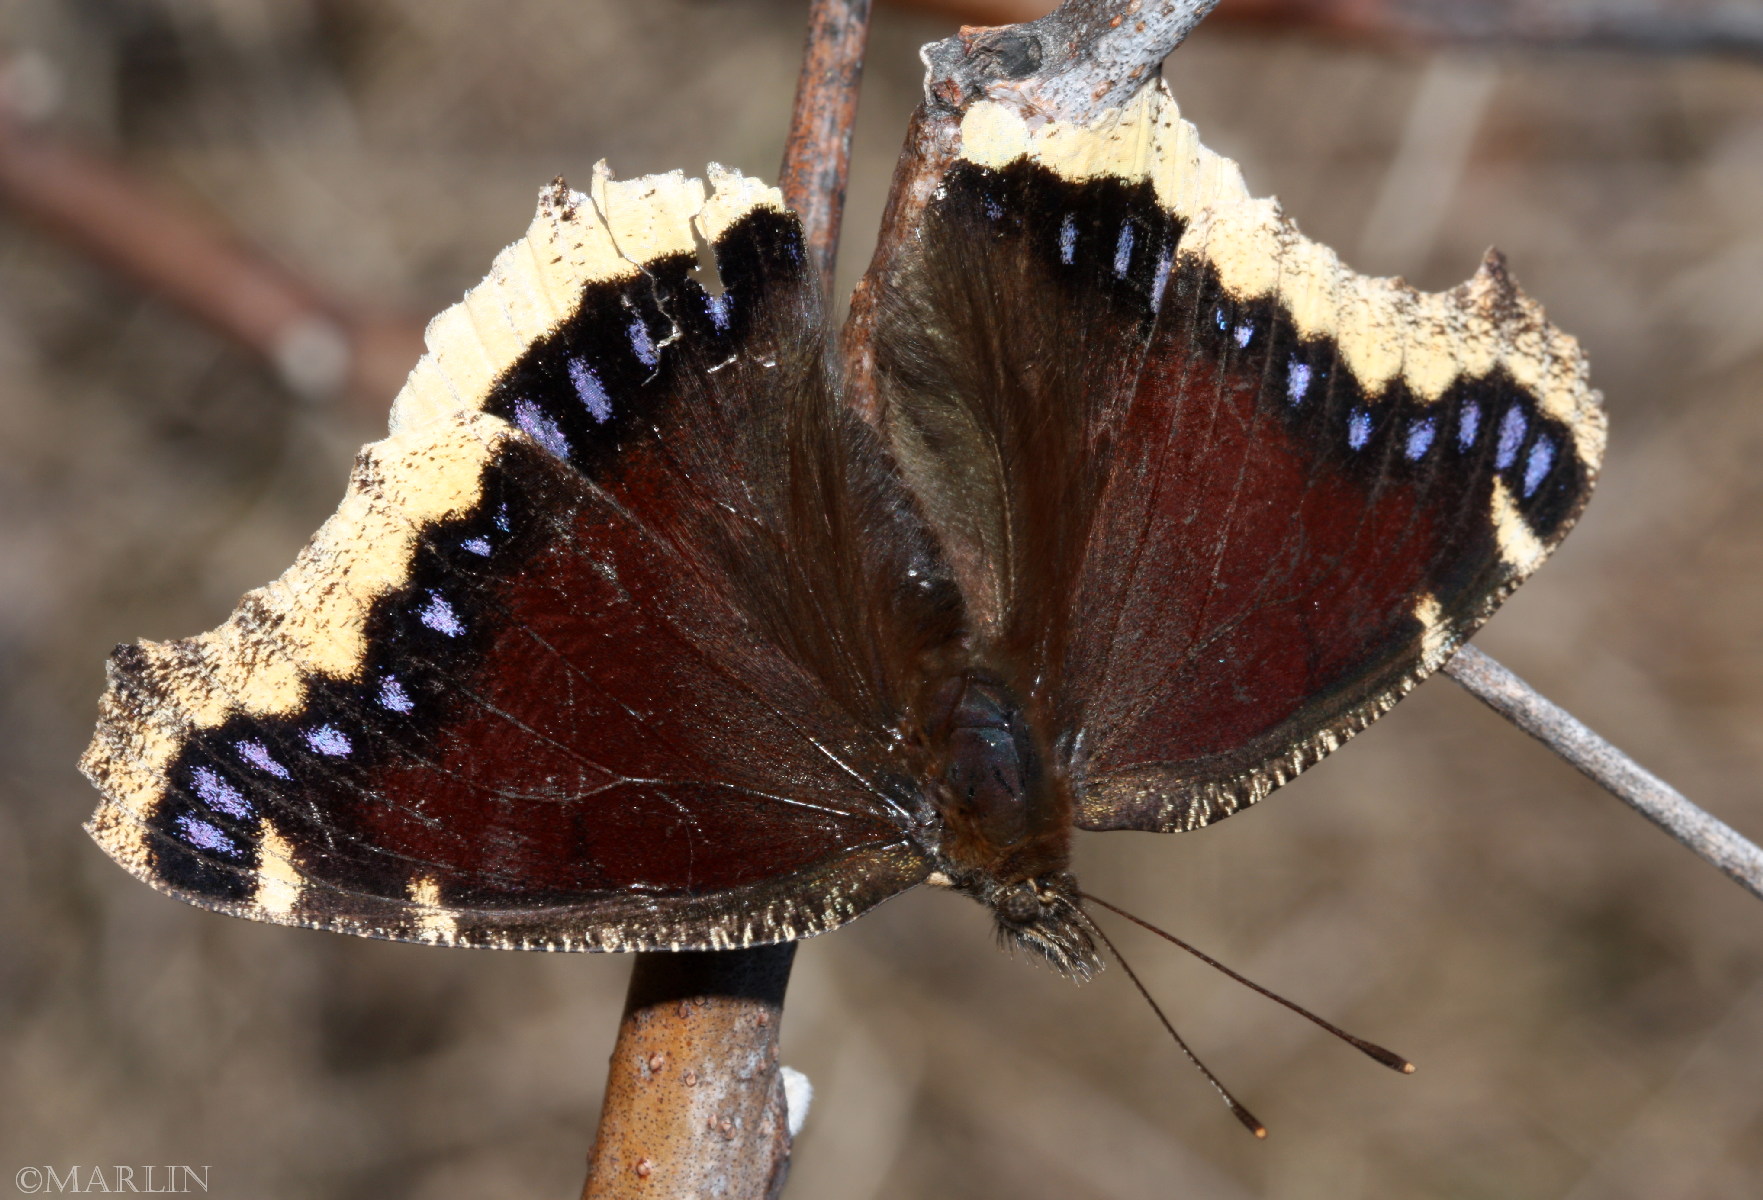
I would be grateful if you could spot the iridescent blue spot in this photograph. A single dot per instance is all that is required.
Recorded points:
(477, 545)
(541, 428)
(328, 739)
(502, 516)
(1068, 239)
(1223, 321)
(1160, 281)
(591, 391)
(1468, 424)
(994, 210)
(203, 836)
(1245, 333)
(642, 345)
(393, 695)
(718, 307)
(1358, 429)
(218, 794)
(440, 617)
(1123, 251)
(1537, 464)
(1512, 427)
(1420, 436)
(1297, 381)
(257, 754)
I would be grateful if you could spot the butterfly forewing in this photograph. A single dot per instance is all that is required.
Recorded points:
(574, 665)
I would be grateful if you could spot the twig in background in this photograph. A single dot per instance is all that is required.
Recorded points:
(817, 156)
(1642, 26)
(1711, 839)
(318, 347)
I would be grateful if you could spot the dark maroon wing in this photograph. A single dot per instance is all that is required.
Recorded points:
(1216, 501)
(602, 650)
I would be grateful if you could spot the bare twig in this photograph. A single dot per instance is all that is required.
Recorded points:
(817, 156)
(695, 1099)
(318, 347)
(1711, 839)
(1641, 26)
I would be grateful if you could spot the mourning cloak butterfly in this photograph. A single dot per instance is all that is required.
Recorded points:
(643, 629)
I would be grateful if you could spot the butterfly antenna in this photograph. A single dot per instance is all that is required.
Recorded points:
(1388, 1058)
(1236, 1109)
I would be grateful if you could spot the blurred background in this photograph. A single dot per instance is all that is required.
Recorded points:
(1584, 999)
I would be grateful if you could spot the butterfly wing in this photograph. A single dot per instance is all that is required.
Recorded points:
(1217, 500)
(601, 649)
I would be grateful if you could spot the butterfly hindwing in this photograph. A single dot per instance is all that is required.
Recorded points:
(570, 667)
(1234, 500)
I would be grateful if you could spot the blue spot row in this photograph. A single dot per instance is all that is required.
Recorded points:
(1512, 427)
(439, 616)
(220, 795)
(329, 741)
(1297, 381)
(257, 754)
(203, 836)
(1123, 251)
(717, 308)
(541, 428)
(590, 390)
(642, 345)
(393, 696)
(1468, 424)
(1358, 428)
(1161, 281)
(1420, 435)
(1537, 464)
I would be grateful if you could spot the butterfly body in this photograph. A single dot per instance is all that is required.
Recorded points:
(1004, 819)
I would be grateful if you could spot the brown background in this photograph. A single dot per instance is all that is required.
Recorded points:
(1584, 999)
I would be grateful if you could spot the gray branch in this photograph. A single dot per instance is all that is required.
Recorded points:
(1084, 57)
(1714, 841)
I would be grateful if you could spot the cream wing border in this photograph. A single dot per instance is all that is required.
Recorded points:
(1384, 329)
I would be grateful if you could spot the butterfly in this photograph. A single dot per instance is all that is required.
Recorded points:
(649, 627)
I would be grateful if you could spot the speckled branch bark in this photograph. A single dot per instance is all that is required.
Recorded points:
(694, 1097)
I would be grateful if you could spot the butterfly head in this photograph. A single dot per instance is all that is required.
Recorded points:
(1044, 916)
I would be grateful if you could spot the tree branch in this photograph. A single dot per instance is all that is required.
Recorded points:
(1712, 840)
(318, 347)
(695, 1100)
(1637, 26)
(817, 153)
